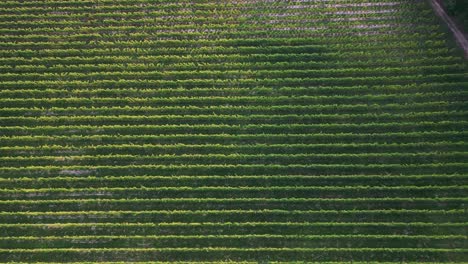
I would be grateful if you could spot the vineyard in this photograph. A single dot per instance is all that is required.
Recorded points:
(244, 130)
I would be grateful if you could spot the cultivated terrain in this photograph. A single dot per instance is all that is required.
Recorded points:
(210, 130)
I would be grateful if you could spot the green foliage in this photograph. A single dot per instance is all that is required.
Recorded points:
(459, 9)
(231, 131)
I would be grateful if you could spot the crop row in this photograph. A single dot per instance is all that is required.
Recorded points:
(209, 148)
(223, 138)
(266, 46)
(183, 74)
(232, 26)
(216, 51)
(244, 129)
(30, 51)
(334, 67)
(438, 107)
(341, 44)
(232, 8)
(187, 216)
(202, 3)
(227, 169)
(244, 241)
(434, 157)
(132, 204)
(235, 119)
(259, 91)
(230, 228)
(231, 62)
(239, 192)
(158, 21)
(439, 73)
(224, 21)
(200, 9)
(234, 81)
(234, 181)
(225, 45)
(231, 97)
(278, 32)
(232, 101)
(234, 254)
(19, 22)
(182, 3)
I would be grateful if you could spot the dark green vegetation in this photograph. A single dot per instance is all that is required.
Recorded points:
(459, 9)
(160, 130)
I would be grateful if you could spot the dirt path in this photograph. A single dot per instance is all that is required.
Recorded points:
(459, 36)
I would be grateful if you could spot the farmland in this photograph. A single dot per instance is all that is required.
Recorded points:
(245, 130)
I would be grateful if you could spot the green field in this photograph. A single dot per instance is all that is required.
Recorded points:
(244, 130)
